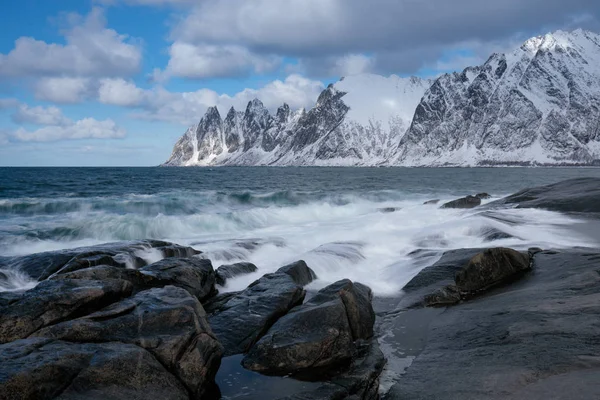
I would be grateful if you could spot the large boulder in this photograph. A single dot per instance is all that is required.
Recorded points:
(464, 202)
(241, 319)
(192, 274)
(54, 301)
(318, 334)
(225, 272)
(41, 266)
(491, 268)
(168, 322)
(35, 369)
(139, 280)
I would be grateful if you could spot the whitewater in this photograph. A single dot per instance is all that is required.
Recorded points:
(368, 225)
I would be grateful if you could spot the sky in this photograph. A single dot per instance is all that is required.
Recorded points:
(117, 82)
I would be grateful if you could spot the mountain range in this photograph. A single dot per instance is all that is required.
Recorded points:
(539, 105)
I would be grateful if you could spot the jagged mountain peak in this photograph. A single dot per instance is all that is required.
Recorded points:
(538, 104)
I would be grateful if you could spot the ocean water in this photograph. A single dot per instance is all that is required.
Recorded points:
(330, 217)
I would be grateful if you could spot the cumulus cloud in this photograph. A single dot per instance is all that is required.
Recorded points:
(63, 90)
(87, 128)
(119, 92)
(339, 32)
(216, 61)
(188, 107)
(91, 49)
(40, 116)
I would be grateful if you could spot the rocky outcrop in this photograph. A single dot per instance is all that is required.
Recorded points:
(225, 272)
(573, 195)
(41, 266)
(168, 322)
(54, 301)
(242, 319)
(319, 334)
(464, 202)
(39, 368)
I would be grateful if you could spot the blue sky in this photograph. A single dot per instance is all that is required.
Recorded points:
(116, 82)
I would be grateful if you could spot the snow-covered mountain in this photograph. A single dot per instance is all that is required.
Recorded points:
(537, 105)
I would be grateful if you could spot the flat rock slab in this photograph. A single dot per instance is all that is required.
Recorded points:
(522, 341)
(225, 272)
(192, 274)
(464, 202)
(34, 369)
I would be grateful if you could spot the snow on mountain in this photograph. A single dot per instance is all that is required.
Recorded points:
(537, 105)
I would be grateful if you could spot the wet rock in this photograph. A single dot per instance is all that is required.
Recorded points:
(574, 195)
(44, 369)
(54, 301)
(41, 266)
(446, 296)
(105, 272)
(299, 272)
(192, 274)
(225, 272)
(465, 202)
(491, 268)
(318, 334)
(432, 202)
(493, 234)
(168, 322)
(534, 339)
(483, 196)
(388, 210)
(240, 320)
(359, 381)
(217, 303)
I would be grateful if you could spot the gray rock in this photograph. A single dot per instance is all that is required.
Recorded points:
(168, 322)
(35, 369)
(534, 339)
(574, 195)
(54, 301)
(192, 274)
(299, 272)
(318, 334)
(465, 202)
(225, 272)
(431, 202)
(491, 268)
(241, 320)
(483, 196)
(446, 296)
(41, 266)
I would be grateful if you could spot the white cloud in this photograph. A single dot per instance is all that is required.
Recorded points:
(352, 64)
(188, 107)
(210, 61)
(87, 128)
(63, 90)
(91, 49)
(40, 116)
(119, 92)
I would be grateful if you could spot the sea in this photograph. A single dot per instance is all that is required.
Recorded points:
(364, 224)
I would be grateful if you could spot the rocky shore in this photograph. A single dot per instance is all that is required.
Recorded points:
(492, 323)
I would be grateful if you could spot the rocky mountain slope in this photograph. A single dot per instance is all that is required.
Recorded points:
(537, 105)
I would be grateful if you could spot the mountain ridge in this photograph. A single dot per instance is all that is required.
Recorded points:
(539, 105)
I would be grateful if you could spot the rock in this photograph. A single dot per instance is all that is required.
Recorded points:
(490, 268)
(387, 210)
(465, 202)
(431, 202)
(483, 196)
(41, 266)
(105, 272)
(534, 339)
(44, 369)
(318, 334)
(192, 274)
(225, 272)
(53, 301)
(492, 234)
(299, 272)
(218, 302)
(446, 296)
(244, 318)
(168, 322)
(360, 381)
(574, 195)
